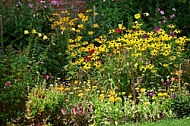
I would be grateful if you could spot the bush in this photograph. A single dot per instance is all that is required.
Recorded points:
(180, 105)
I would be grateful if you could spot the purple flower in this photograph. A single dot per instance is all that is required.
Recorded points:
(156, 29)
(30, 5)
(54, 2)
(150, 93)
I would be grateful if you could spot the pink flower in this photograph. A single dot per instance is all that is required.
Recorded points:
(30, 5)
(64, 111)
(73, 110)
(156, 29)
(47, 77)
(90, 108)
(8, 83)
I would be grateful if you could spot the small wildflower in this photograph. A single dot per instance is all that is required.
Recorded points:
(143, 90)
(101, 97)
(80, 95)
(45, 37)
(137, 16)
(112, 99)
(26, 32)
(146, 103)
(33, 31)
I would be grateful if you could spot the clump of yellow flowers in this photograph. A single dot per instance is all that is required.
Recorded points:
(148, 51)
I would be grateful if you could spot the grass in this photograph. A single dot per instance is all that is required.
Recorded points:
(168, 122)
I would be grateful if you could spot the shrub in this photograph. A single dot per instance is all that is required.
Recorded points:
(180, 105)
(18, 72)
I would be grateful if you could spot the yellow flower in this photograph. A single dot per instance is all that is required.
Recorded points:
(117, 98)
(160, 94)
(94, 87)
(153, 97)
(171, 26)
(67, 89)
(112, 99)
(87, 90)
(75, 88)
(26, 32)
(112, 93)
(137, 16)
(130, 96)
(146, 103)
(59, 88)
(165, 94)
(80, 95)
(101, 97)
(123, 93)
(67, 100)
(95, 25)
(89, 10)
(165, 65)
(87, 66)
(33, 31)
(90, 32)
(143, 90)
(45, 37)
(171, 89)
(76, 82)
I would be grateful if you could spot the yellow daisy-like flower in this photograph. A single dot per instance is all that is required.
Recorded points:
(171, 26)
(76, 82)
(90, 32)
(160, 94)
(130, 96)
(87, 90)
(118, 99)
(146, 103)
(87, 66)
(143, 90)
(123, 93)
(95, 25)
(171, 89)
(112, 99)
(101, 97)
(137, 16)
(80, 95)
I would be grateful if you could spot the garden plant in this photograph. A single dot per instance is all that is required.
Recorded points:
(93, 68)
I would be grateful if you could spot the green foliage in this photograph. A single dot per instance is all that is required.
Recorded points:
(180, 105)
(22, 15)
(17, 73)
(42, 104)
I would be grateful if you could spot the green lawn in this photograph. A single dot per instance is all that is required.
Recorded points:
(169, 122)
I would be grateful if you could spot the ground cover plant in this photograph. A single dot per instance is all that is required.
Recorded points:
(111, 75)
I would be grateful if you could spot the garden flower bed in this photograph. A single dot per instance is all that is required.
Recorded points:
(73, 69)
